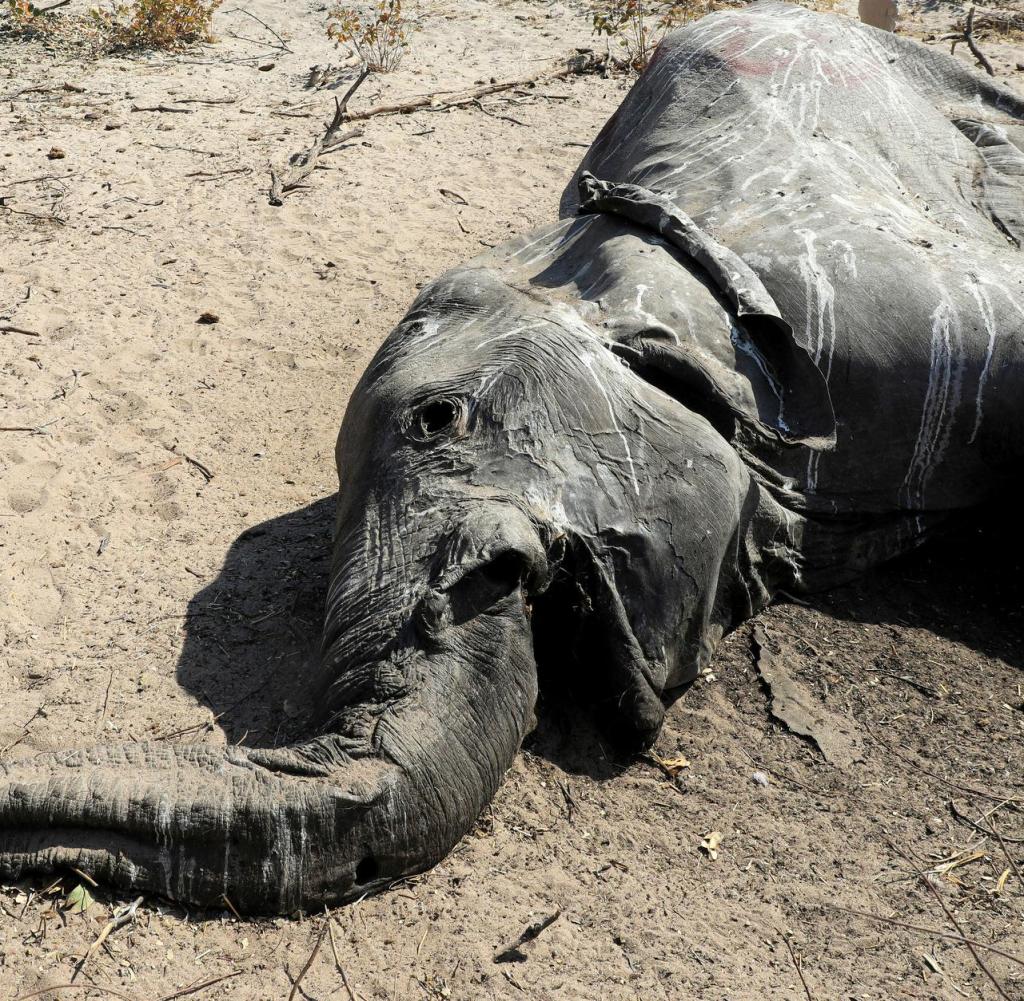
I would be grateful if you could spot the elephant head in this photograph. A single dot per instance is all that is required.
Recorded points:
(514, 498)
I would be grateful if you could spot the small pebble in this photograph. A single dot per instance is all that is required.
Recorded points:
(761, 779)
(208, 318)
(56, 153)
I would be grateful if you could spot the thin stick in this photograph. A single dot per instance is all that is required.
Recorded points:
(429, 102)
(205, 100)
(337, 960)
(970, 945)
(242, 10)
(309, 962)
(163, 109)
(230, 906)
(106, 701)
(122, 917)
(305, 163)
(980, 828)
(972, 45)
(81, 987)
(6, 328)
(199, 987)
(85, 876)
(930, 931)
(797, 964)
(967, 35)
(935, 775)
(24, 731)
(1009, 857)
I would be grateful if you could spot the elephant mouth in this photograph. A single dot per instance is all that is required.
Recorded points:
(586, 653)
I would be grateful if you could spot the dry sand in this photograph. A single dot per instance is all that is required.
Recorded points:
(163, 540)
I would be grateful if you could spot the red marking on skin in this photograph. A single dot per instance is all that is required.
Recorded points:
(776, 55)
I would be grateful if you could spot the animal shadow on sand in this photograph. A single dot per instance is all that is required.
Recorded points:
(253, 634)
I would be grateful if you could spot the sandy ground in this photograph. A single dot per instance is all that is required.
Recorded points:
(164, 534)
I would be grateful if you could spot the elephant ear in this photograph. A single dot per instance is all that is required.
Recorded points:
(775, 389)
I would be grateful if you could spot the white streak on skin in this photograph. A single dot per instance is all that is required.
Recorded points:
(988, 318)
(743, 343)
(849, 257)
(942, 398)
(588, 360)
(819, 295)
(488, 380)
(641, 312)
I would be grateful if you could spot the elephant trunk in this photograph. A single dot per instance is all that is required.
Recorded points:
(415, 740)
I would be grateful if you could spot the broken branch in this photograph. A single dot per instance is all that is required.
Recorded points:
(576, 67)
(967, 35)
(304, 163)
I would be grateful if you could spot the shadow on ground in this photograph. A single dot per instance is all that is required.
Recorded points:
(252, 635)
(963, 585)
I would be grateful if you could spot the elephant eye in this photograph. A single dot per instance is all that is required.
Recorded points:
(433, 419)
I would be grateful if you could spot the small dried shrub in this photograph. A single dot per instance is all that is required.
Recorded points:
(379, 33)
(639, 25)
(21, 11)
(156, 24)
(142, 24)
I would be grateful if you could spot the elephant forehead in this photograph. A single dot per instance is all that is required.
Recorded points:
(475, 352)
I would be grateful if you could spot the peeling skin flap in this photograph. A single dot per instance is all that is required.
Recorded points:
(734, 278)
(804, 408)
(793, 705)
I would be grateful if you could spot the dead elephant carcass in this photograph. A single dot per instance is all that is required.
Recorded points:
(781, 341)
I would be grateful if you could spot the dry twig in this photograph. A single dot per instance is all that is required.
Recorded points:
(970, 945)
(280, 41)
(69, 987)
(309, 962)
(304, 163)
(163, 109)
(961, 939)
(195, 988)
(124, 915)
(798, 964)
(337, 959)
(429, 102)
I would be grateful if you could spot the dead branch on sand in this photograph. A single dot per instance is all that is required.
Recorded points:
(579, 65)
(303, 164)
(967, 35)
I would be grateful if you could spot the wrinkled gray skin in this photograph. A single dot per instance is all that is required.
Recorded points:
(604, 445)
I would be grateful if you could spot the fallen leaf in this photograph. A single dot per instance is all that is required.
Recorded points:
(671, 766)
(79, 900)
(710, 844)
